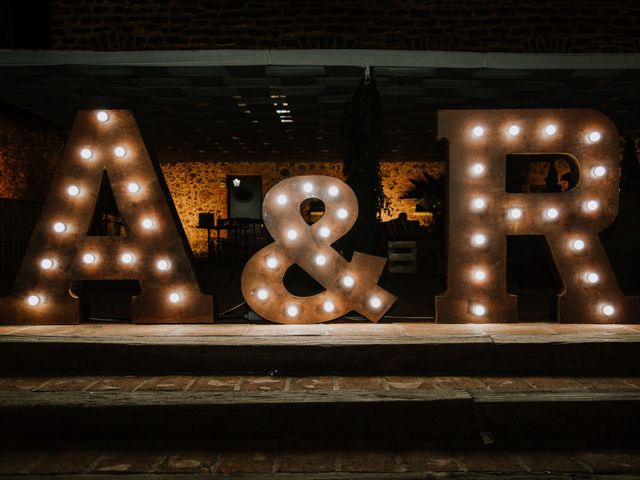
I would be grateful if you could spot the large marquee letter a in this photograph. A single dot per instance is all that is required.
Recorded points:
(153, 249)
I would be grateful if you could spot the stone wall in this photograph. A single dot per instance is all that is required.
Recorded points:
(30, 149)
(577, 26)
(201, 187)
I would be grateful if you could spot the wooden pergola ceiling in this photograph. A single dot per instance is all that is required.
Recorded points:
(287, 105)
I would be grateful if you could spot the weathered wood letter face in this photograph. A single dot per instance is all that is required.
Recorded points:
(349, 285)
(153, 250)
(481, 214)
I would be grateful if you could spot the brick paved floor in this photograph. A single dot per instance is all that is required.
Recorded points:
(100, 460)
(178, 383)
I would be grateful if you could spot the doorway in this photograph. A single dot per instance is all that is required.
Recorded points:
(245, 196)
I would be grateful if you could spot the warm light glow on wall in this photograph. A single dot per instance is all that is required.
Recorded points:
(569, 220)
(63, 226)
(348, 285)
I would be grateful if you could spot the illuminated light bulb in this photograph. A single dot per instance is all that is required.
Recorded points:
(292, 310)
(272, 262)
(47, 263)
(550, 129)
(551, 213)
(127, 258)
(324, 232)
(89, 258)
(292, 234)
(608, 309)
(73, 190)
(479, 239)
(348, 281)
(307, 187)
(34, 300)
(594, 137)
(262, 294)
(478, 310)
(592, 277)
(578, 244)
(86, 153)
(59, 227)
(513, 130)
(133, 187)
(236, 182)
(102, 116)
(342, 213)
(320, 260)
(147, 223)
(479, 203)
(477, 131)
(477, 169)
(328, 306)
(592, 205)
(163, 265)
(281, 199)
(334, 191)
(479, 275)
(598, 171)
(375, 302)
(515, 213)
(119, 152)
(175, 297)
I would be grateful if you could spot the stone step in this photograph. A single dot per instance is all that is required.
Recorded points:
(70, 408)
(315, 349)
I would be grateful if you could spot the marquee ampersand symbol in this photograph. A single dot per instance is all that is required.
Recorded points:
(348, 286)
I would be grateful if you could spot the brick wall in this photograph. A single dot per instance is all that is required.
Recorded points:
(200, 187)
(30, 149)
(562, 26)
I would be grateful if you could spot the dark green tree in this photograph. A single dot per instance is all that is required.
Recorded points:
(362, 134)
